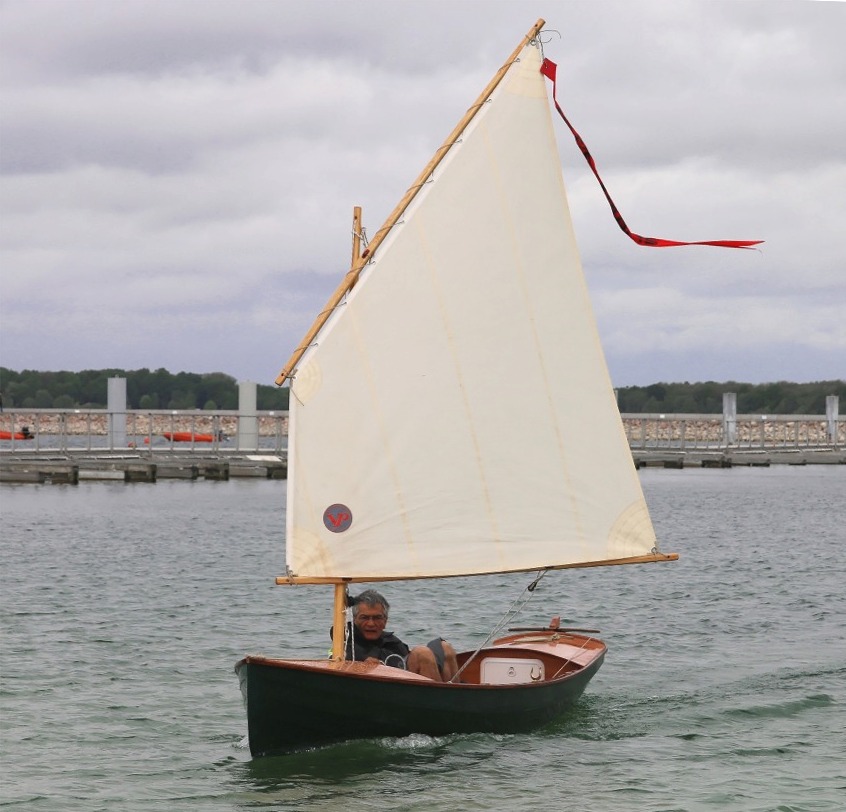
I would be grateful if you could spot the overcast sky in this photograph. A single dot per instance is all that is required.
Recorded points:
(178, 177)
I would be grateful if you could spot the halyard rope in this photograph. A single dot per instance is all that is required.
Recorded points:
(512, 611)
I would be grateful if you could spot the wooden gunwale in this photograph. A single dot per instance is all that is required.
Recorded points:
(559, 664)
(346, 668)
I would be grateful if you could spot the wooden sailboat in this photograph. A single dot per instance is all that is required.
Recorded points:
(468, 314)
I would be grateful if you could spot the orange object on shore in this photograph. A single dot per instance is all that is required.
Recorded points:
(187, 437)
(25, 434)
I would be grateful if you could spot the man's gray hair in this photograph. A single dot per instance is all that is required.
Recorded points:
(371, 597)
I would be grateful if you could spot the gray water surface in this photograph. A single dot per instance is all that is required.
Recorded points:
(124, 608)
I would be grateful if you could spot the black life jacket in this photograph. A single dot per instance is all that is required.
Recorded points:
(388, 648)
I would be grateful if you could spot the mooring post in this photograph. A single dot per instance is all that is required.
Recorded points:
(247, 416)
(117, 412)
(729, 418)
(832, 415)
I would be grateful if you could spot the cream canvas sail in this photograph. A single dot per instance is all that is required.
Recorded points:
(455, 414)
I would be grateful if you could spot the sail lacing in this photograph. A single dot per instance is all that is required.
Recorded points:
(512, 611)
(362, 235)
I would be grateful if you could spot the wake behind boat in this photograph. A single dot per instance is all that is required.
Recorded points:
(473, 285)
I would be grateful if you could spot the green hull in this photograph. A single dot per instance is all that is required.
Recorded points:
(291, 706)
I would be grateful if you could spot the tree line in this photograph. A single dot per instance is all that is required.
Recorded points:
(160, 389)
(707, 398)
(145, 389)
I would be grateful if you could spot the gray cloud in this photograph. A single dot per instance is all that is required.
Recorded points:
(179, 177)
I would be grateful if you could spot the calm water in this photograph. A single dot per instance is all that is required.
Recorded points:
(124, 608)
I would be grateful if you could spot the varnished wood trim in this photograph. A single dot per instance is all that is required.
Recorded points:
(293, 580)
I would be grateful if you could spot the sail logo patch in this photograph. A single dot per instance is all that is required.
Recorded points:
(337, 518)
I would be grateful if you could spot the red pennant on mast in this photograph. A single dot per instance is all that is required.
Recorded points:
(548, 69)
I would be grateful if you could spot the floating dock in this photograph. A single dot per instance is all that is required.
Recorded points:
(105, 466)
(737, 458)
(64, 446)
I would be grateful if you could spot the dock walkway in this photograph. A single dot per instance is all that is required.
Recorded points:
(104, 465)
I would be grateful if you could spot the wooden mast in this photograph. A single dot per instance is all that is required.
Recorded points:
(359, 262)
(339, 608)
(356, 235)
(339, 617)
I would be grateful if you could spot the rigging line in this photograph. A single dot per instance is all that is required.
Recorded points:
(348, 631)
(510, 612)
(448, 145)
(569, 660)
(430, 179)
(541, 41)
(385, 229)
(361, 234)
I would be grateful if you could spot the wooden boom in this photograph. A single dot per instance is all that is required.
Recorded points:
(293, 580)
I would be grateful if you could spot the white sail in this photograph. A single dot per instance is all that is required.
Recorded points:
(455, 414)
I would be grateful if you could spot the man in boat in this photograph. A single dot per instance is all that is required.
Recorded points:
(370, 641)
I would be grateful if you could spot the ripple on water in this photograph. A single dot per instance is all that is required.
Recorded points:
(124, 608)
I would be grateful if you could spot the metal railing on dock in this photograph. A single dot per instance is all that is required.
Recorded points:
(201, 432)
(727, 440)
(61, 445)
(186, 431)
(68, 446)
(710, 431)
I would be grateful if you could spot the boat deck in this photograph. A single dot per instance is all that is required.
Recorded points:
(556, 654)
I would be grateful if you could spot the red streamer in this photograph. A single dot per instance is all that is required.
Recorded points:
(548, 69)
